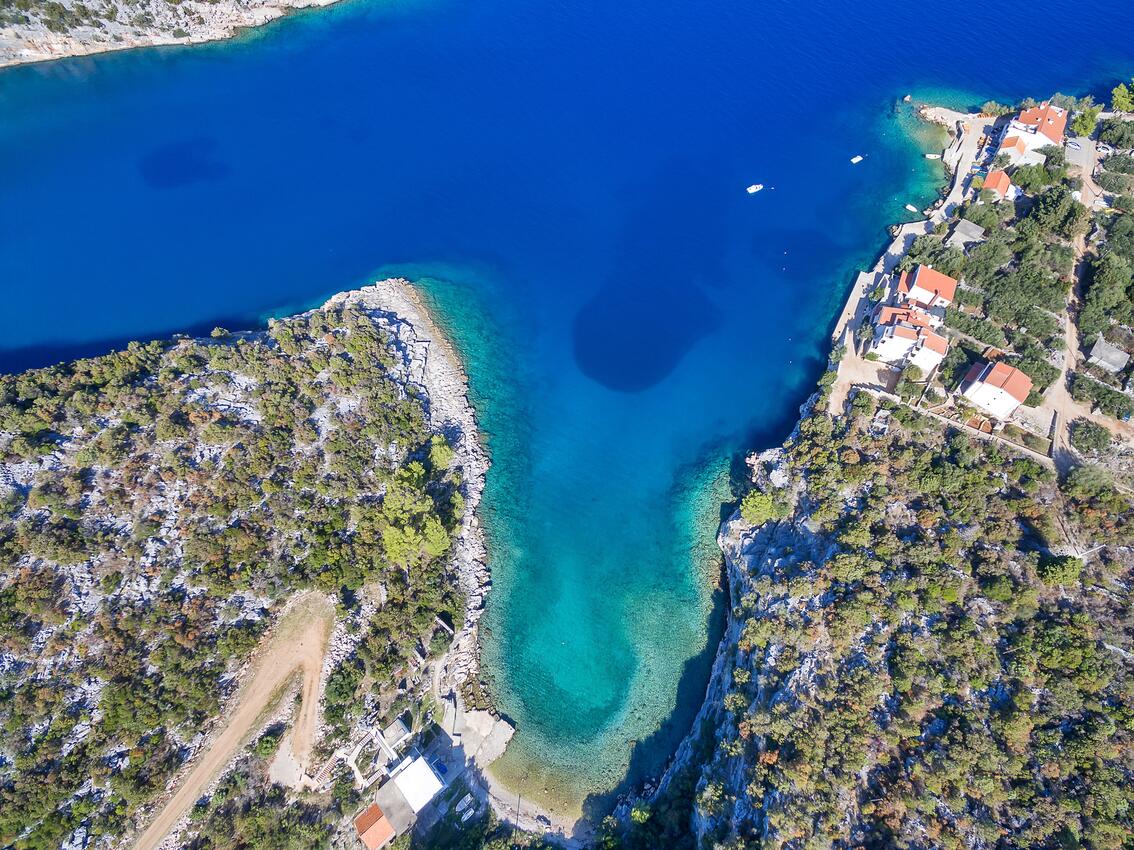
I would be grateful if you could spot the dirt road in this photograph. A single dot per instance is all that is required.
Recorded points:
(297, 644)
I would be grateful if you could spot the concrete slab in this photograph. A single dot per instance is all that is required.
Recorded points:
(396, 807)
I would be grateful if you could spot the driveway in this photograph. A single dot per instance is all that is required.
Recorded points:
(296, 645)
(968, 130)
(1084, 159)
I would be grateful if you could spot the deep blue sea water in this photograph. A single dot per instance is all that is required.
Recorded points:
(567, 178)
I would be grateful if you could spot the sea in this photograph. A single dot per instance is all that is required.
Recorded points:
(566, 182)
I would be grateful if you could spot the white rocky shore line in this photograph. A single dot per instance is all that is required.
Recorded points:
(434, 365)
(430, 363)
(148, 23)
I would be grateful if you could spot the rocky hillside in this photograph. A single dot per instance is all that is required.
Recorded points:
(34, 30)
(916, 655)
(915, 659)
(158, 505)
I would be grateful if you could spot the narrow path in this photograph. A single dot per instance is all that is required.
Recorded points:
(297, 643)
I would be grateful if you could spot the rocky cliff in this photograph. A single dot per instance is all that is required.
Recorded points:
(36, 30)
(912, 659)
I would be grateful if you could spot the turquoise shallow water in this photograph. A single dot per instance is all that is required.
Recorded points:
(568, 180)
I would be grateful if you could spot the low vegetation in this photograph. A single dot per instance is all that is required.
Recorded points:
(922, 664)
(156, 504)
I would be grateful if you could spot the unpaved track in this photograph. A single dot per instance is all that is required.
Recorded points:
(297, 643)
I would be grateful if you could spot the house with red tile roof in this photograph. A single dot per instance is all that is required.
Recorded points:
(885, 314)
(374, 829)
(1044, 120)
(925, 287)
(903, 335)
(1031, 130)
(930, 352)
(996, 388)
(1020, 152)
(999, 183)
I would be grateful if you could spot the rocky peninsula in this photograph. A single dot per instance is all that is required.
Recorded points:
(161, 507)
(36, 32)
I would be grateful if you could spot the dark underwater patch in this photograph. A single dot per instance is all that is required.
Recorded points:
(182, 164)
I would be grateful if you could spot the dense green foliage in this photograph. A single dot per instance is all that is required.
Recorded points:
(1122, 98)
(1088, 437)
(1084, 122)
(1117, 174)
(1107, 304)
(928, 670)
(1115, 131)
(165, 498)
(757, 507)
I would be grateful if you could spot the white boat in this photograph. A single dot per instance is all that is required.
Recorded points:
(857, 159)
(755, 187)
(933, 156)
(911, 208)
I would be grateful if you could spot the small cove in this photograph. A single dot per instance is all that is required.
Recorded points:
(567, 182)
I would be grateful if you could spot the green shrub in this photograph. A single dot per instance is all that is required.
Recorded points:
(1061, 570)
(758, 508)
(1088, 437)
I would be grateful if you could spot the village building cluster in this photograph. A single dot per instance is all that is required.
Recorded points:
(904, 322)
(412, 781)
(907, 333)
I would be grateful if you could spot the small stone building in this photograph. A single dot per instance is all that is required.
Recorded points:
(965, 233)
(1107, 356)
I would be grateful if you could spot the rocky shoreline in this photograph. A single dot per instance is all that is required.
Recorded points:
(70, 28)
(433, 364)
(430, 363)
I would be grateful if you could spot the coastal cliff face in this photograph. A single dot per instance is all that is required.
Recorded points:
(911, 660)
(33, 30)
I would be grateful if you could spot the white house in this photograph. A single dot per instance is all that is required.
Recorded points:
(1031, 130)
(996, 388)
(1018, 151)
(931, 350)
(417, 782)
(927, 288)
(893, 343)
(904, 335)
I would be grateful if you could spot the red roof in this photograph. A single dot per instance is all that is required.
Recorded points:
(935, 342)
(1014, 142)
(373, 828)
(903, 331)
(934, 281)
(888, 315)
(1005, 377)
(998, 182)
(1049, 120)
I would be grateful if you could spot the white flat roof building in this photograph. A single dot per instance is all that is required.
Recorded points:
(417, 782)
